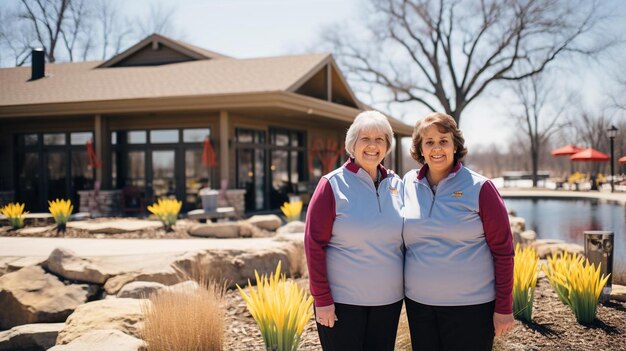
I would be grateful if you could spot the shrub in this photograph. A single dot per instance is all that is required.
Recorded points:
(525, 272)
(578, 284)
(292, 210)
(184, 319)
(61, 210)
(166, 211)
(281, 309)
(15, 213)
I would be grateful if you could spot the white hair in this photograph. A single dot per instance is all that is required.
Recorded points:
(368, 120)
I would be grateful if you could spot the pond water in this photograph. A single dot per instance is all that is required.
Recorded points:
(567, 219)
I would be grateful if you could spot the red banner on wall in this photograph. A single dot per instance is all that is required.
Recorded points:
(91, 155)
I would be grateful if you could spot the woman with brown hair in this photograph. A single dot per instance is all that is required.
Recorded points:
(458, 271)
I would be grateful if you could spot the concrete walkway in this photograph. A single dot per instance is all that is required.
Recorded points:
(41, 247)
(619, 197)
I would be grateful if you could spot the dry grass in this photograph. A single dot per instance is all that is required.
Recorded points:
(185, 319)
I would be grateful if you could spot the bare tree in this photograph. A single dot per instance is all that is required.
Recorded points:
(46, 19)
(15, 39)
(444, 54)
(114, 28)
(159, 21)
(75, 26)
(538, 114)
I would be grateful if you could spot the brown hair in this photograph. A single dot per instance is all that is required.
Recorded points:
(445, 124)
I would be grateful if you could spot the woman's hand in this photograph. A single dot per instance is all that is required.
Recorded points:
(325, 315)
(503, 323)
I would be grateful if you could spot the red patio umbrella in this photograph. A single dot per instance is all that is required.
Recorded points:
(565, 150)
(590, 154)
(622, 160)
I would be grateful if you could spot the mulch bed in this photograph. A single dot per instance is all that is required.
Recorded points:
(554, 327)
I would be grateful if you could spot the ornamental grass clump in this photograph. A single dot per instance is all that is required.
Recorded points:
(525, 272)
(185, 319)
(166, 211)
(15, 213)
(61, 210)
(281, 309)
(578, 283)
(292, 210)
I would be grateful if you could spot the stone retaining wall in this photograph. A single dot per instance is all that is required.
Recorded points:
(106, 203)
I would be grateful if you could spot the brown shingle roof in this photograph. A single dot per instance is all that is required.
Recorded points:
(81, 82)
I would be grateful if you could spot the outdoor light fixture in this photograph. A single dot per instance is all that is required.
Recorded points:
(612, 132)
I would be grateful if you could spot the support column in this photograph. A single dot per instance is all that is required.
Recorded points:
(398, 156)
(224, 149)
(103, 150)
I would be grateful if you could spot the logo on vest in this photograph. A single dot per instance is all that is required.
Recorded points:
(393, 191)
(457, 194)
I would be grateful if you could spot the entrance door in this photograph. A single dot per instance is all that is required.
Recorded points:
(162, 178)
(251, 176)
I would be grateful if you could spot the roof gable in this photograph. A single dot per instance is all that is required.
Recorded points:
(158, 50)
(326, 82)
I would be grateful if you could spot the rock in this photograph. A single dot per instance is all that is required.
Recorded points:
(618, 293)
(139, 290)
(167, 277)
(31, 295)
(291, 227)
(547, 247)
(103, 340)
(528, 236)
(40, 336)
(12, 264)
(33, 231)
(65, 263)
(267, 222)
(223, 230)
(115, 226)
(120, 314)
(183, 287)
(518, 224)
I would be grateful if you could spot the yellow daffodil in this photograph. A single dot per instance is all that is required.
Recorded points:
(292, 210)
(578, 283)
(280, 308)
(525, 272)
(166, 211)
(15, 213)
(61, 210)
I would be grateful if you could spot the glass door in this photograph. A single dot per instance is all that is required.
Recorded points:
(163, 182)
(251, 177)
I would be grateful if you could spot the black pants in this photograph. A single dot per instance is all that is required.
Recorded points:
(362, 328)
(450, 328)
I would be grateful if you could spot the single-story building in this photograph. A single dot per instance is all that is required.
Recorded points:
(166, 118)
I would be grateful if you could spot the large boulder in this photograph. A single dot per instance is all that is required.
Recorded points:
(103, 340)
(124, 315)
(140, 290)
(39, 336)
(65, 263)
(268, 222)
(223, 230)
(31, 295)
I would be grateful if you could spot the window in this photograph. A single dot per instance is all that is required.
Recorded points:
(195, 135)
(54, 139)
(164, 136)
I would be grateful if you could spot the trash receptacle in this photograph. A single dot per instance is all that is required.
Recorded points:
(208, 197)
(599, 250)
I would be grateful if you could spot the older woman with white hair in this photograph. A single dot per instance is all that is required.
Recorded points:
(353, 243)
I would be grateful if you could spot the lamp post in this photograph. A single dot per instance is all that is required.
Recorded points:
(612, 134)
